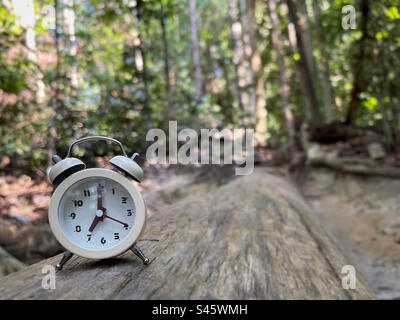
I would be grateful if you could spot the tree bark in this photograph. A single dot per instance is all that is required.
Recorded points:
(261, 242)
(309, 85)
(196, 51)
(284, 87)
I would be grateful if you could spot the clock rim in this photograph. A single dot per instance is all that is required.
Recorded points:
(118, 249)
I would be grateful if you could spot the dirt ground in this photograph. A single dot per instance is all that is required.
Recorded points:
(363, 216)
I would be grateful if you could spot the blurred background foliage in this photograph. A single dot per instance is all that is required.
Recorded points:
(72, 68)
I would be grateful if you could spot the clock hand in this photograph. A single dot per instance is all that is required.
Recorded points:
(100, 210)
(94, 223)
(99, 197)
(106, 216)
(98, 217)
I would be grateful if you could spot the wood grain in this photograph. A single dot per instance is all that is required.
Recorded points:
(253, 238)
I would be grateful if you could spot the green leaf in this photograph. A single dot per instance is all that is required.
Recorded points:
(371, 103)
(393, 13)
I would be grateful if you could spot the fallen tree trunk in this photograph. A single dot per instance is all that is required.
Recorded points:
(361, 166)
(253, 238)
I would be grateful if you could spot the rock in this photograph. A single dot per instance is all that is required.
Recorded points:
(376, 151)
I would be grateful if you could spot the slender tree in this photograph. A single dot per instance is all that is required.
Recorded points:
(309, 85)
(329, 102)
(170, 104)
(247, 16)
(236, 49)
(56, 87)
(358, 82)
(141, 61)
(70, 41)
(305, 25)
(258, 85)
(196, 51)
(284, 87)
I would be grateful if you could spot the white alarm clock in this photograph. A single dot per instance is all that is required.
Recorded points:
(96, 213)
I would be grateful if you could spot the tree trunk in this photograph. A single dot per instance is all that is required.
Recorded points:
(257, 95)
(309, 85)
(235, 36)
(228, 110)
(316, 156)
(248, 39)
(196, 51)
(358, 82)
(141, 60)
(71, 43)
(261, 242)
(170, 104)
(284, 87)
(305, 25)
(329, 101)
(56, 88)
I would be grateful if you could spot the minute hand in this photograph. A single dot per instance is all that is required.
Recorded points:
(125, 224)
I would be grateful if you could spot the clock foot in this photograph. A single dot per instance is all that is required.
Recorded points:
(136, 250)
(67, 255)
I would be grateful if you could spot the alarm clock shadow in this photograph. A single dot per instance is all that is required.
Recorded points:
(86, 264)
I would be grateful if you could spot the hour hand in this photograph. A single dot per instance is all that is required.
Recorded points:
(94, 223)
(99, 217)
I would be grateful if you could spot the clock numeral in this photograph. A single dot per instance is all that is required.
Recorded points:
(129, 212)
(89, 237)
(126, 227)
(123, 199)
(73, 215)
(103, 241)
(78, 203)
(113, 191)
(116, 236)
(86, 193)
(78, 229)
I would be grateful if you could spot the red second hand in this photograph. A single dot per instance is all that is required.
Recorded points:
(106, 216)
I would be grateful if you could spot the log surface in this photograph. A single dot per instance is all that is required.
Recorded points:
(253, 238)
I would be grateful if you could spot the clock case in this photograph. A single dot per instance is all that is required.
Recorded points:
(63, 168)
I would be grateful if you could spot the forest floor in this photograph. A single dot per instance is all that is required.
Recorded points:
(361, 213)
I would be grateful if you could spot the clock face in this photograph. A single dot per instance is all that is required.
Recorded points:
(96, 213)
